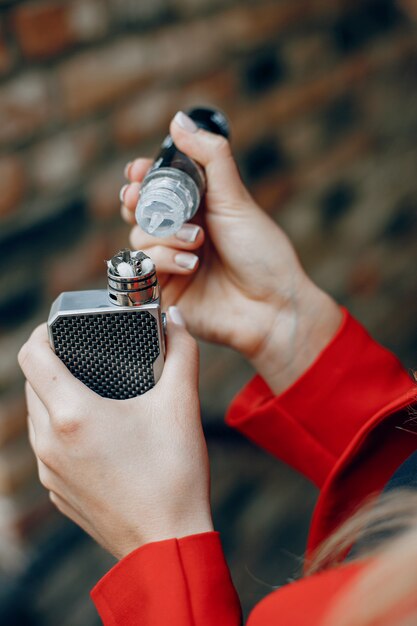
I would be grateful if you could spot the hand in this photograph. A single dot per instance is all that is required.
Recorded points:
(250, 292)
(127, 471)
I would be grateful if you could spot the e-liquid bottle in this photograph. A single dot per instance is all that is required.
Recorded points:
(172, 190)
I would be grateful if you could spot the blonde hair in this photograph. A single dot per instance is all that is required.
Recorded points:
(385, 592)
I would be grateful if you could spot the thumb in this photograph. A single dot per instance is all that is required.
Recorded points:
(213, 152)
(181, 361)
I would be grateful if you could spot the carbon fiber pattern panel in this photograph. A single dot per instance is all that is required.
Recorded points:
(112, 353)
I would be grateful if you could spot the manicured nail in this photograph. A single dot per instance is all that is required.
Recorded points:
(188, 233)
(185, 122)
(127, 168)
(122, 193)
(175, 316)
(186, 260)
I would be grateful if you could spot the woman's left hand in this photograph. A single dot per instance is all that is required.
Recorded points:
(127, 471)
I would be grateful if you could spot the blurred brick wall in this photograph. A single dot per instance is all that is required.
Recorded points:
(322, 99)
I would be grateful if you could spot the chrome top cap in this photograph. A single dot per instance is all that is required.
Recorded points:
(131, 279)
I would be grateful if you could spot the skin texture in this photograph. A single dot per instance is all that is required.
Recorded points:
(127, 471)
(134, 471)
(248, 291)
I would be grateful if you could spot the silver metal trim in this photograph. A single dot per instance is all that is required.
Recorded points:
(153, 308)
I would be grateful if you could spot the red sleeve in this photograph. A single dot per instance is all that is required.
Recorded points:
(180, 582)
(340, 424)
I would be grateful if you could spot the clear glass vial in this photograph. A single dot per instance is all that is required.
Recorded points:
(172, 190)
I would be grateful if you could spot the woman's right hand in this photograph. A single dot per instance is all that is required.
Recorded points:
(246, 288)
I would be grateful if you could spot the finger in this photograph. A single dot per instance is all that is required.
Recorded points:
(39, 416)
(31, 433)
(52, 382)
(69, 511)
(127, 216)
(173, 261)
(213, 152)
(181, 362)
(189, 237)
(136, 170)
(129, 196)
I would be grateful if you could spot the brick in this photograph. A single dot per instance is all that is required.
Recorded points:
(218, 87)
(291, 101)
(146, 116)
(45, 29)
(272, 191)
(89, 20)
(80, 266)
(347, 151)
(103, 191)
(94, 79)
(12, 417)
(42, 28)
(246, 26)
(25, 107)
(6, 55)
(171, 58)
(130, 13)
(263, 158)
(365, 277)
(265, 69)
(302, 138)
(188, 8)
(61, 161)
(12, 175)
(308, 55)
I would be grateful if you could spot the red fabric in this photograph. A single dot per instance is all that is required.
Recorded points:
(339, 424)
(176, 581)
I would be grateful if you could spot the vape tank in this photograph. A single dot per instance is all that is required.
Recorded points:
(112, 339)
(172, 190)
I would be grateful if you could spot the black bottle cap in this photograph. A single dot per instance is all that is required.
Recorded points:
(210, 119)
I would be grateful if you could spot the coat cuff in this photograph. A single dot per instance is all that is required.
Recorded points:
(310, 425)
(183, 581)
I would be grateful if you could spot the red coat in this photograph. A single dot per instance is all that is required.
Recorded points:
(338, 425)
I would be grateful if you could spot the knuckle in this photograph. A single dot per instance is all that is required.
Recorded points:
(66, 421)
(44, 476)
(23, 355)
(55, 501)
(221, 145)
(45, 455)
(158, 251)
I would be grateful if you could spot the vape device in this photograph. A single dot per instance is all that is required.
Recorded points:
(112, 339)
(172, 190)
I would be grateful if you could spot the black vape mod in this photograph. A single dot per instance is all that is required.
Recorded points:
(113, 339)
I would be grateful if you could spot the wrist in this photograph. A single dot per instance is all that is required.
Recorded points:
(195, 525)
(297, 333)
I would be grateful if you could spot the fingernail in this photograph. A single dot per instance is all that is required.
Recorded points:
(127, 168)
(185, 122)
(186, 260)
(175, 316)
(122, 193)
(188, 233)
